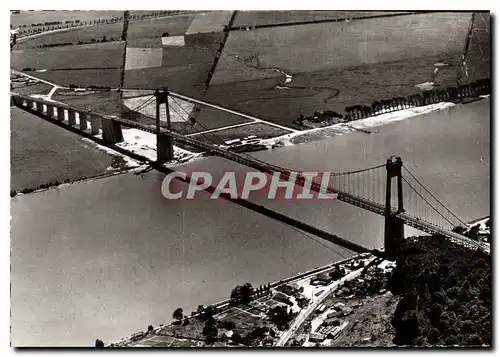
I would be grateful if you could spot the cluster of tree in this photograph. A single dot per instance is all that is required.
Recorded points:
(80, 42)
(452, 286)
(324, 118)
(55, 44)
(28, 69)
(280, 316)
(210, 330)
(245, 293)
(92, 87)
(437, 95)
(13, 193)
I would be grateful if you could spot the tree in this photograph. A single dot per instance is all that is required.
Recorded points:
(209, 313)
(104, 39)
(99, 343)
(242, 294)
(150, 328)
(279, 315)
(488, 223)
(178, 314)
(210, 331)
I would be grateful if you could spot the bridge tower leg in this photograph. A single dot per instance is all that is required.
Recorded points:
(164, 145)
(111, 131)
(394, 226)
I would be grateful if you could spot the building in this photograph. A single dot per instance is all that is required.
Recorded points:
(316, 337)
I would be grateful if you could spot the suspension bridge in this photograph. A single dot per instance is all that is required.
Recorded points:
(371, 189)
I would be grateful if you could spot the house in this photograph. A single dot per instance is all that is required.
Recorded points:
(316, 337)
(229, 333)
(331, 321)
(321, 308)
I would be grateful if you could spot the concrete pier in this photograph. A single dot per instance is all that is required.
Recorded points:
(111, 131)
(95, 124)
(61, 114)
(29, 104)
(164, 149)
(83, 120)
(50, 111)
(71, 117)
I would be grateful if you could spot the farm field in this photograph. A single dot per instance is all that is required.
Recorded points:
(260, 18)
(183, 69)
(42, 152)
(102, 102)
(294, 49)
(102, 55)
(30, 17)
(213, 21)
(154, 28)
(83, 77)
(337, 88)
(73, 35)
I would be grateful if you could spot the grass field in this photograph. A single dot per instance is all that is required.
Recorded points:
(42, 152)
(84, 34)
(83, 77)
(213, 21)
(184, 69)
(103, 55)
(104, 102)
(30, 17)
(335, 89)
(261, 130)
(259, 18)
(27, 89)
(154, 28)
(295, 49)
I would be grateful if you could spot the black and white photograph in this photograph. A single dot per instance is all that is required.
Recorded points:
(243, 179)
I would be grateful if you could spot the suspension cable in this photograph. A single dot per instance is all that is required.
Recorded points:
(422, 197)
(430, 193)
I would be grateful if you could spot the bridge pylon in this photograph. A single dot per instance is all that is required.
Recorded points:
(394, 226)
(164, 144)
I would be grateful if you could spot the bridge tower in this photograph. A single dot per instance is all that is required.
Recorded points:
(394, 226)
(164, 146)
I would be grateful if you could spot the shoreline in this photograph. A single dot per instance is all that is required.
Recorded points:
(300, 276)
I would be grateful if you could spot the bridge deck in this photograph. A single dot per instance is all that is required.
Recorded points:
(271, 169)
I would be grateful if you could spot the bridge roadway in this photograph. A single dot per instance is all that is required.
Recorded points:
(300, 181)
(284, 173)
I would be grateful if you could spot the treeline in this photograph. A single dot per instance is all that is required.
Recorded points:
(80, 42)
(91, 87)
(35, 28)
(50, 184)
(356, 112)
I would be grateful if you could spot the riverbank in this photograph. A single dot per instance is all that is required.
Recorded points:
(328, 307)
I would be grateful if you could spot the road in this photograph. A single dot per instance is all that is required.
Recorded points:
(304, 314)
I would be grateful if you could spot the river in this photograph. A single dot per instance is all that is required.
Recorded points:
(105, 258)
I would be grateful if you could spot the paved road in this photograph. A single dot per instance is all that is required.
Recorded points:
(304, 314)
